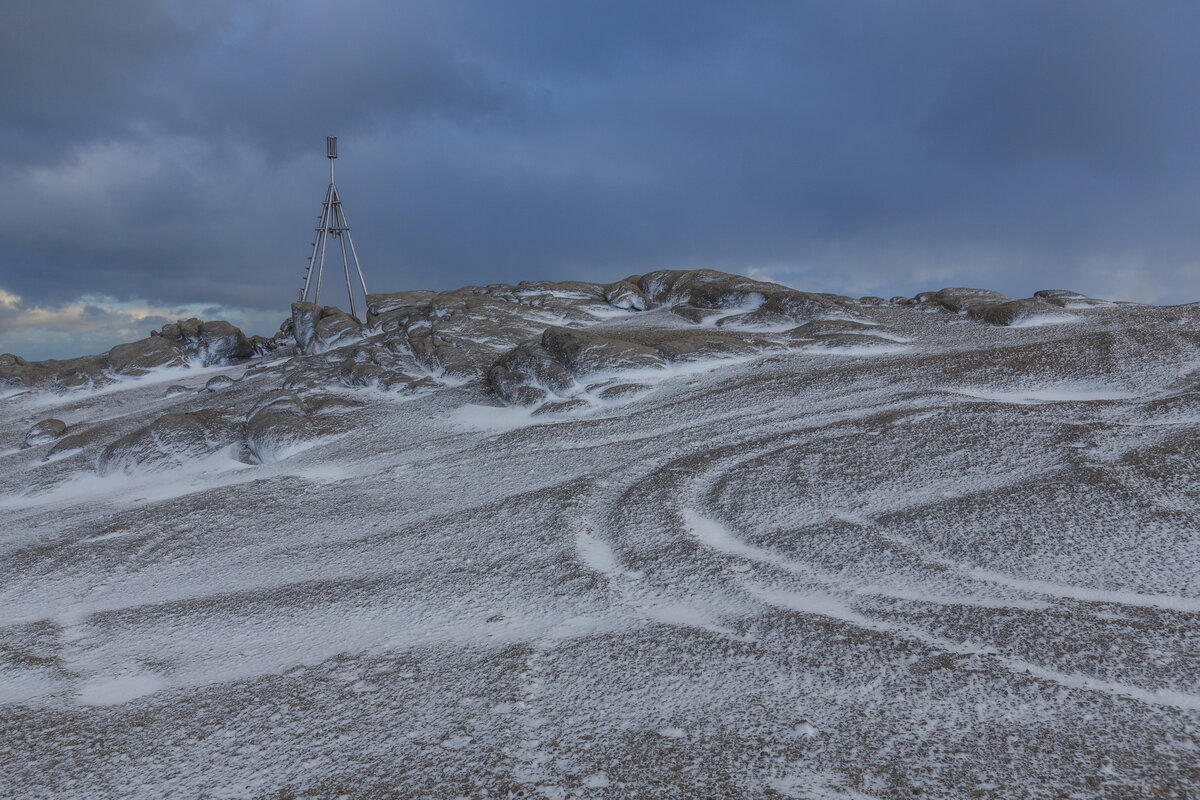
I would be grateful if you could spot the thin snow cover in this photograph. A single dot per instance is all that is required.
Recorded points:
(153, 377)
(1062, 393)
(962, 563)
(1039, 320)
(855, 351)
(492, 418)
(109, 691)
(751, 301)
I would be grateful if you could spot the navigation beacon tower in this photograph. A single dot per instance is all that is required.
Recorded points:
(333, 223)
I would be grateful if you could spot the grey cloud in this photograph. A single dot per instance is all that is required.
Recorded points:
(172, 151)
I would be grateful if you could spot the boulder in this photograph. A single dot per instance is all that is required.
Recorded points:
(555, 364)
(171, 441)
(380, 304)
(1055, 294)
(364, 364)
(698, 316)
(219, 383)
(45, 431)
(455, 356)
(562, 406)
(1064, 298)
(261, 345)
(993, 308)
(854, 341)
(138, 357)
(177, 343)
(527, 373)
(534, 370)
(697, 345)
(963, 299)
(220, 342)
(17, 373)
(96, 434)
(174, 345)
(586, 353)
(626, 295)
(277, 426)
(623, 391)
(319, 329)
(283, 423)
(54, 374)
(825, 327)
(689, 344)
(1015, 311)
(760, 303)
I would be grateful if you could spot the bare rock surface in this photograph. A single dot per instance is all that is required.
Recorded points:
(681, 535)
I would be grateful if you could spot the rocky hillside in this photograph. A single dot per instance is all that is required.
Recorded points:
(683, 535)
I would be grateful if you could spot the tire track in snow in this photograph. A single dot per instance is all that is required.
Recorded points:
(634, 593)
(601, 556)
(828, 606)
(1062, 591)
(717, 536)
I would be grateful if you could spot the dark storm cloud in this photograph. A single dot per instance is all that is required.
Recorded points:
(171, 151)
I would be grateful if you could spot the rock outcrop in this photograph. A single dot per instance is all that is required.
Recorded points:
(563, 361)
(45, 431)
(538, 342)
(319, 329)
(171, 441)
(285, 422)
(552, 365)
(176, 344)
(996, 308)
(209, 343)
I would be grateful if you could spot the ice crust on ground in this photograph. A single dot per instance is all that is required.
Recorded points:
(682, 535)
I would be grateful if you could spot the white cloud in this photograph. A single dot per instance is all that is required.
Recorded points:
(94, 323)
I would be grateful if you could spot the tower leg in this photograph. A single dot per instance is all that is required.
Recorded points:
(357, 266)
(312, 260)
(333, 223)
(321, 271)
(349, 283)
(345, 225)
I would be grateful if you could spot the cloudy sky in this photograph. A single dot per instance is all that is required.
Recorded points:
(161, 159)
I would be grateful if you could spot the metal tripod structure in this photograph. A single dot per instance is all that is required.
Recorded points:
(333, 223)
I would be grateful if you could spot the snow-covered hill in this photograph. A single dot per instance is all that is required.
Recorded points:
(684, 535)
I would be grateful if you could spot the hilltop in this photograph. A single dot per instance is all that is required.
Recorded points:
(686, 534)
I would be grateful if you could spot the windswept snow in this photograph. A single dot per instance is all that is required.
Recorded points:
(962, 563)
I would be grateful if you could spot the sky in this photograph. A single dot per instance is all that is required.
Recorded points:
(162, 159)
